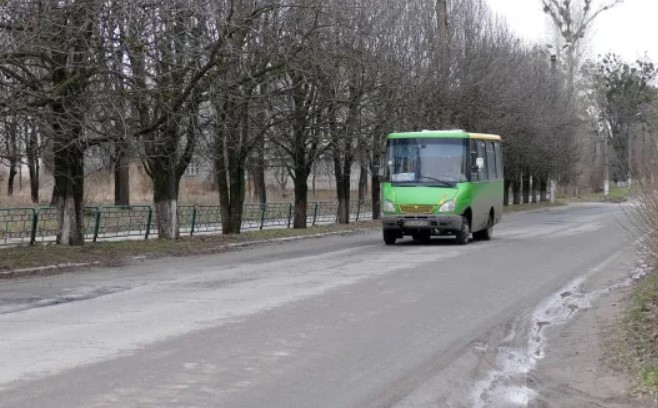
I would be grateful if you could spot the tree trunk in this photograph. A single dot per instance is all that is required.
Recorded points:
(121, 176)
(535, 188)
(259, 175)
(313, 181)
(68, 193)
(375, 197)
(363, 183)
(342, 172)
(543, 188)
(232, 191)
(165, 197)
(301, 197)
(166, 167)
(231, 156)
(340, 191)
(506, 187)
(33, 165)
(344, 150)
(344, 217)
(14, 156)
(12, 175)
(516, 191)
(375, 169)
(526, 187)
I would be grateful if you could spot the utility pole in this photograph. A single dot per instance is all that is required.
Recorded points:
(606, 163)
(630, 155)
(442, 17)
(442, 50)
(554, 89)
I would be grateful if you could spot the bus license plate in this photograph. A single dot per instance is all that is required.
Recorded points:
(415, 223)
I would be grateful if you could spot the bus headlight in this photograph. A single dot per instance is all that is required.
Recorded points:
(448, 206)
(389, 207)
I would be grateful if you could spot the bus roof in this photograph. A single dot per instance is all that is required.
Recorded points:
(447, 134)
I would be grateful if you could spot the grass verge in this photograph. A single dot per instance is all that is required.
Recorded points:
(616, 195)
(639, 351)
(119, 253)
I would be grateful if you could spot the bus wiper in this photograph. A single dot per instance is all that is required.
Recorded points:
(444, 182)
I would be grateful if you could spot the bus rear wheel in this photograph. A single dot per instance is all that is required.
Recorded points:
(390, 237)
(464, 233)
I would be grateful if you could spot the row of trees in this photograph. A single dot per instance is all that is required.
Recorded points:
(247, 81)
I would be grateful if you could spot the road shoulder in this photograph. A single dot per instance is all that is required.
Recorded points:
(578, 370)
(42, 260)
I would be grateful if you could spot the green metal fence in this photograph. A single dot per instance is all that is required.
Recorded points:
(16, 226)
(208, 218)
(122, 222)
(20, 226)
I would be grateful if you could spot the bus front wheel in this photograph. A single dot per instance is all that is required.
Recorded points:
(390, 237)
(464, 233)
(485, 234)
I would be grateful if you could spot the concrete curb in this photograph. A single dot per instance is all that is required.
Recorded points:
(26, 271)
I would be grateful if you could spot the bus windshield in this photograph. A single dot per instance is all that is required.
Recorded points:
(427, 161)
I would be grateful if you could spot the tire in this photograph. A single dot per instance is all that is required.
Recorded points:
(390, 237)
(464, 233)
(487, 233)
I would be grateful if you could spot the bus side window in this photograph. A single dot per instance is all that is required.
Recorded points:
(475, 174)
(492, 162)
(482, 153)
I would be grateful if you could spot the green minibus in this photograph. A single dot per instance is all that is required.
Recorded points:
(446, 182)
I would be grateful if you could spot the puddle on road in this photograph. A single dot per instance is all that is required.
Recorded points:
(501, 389)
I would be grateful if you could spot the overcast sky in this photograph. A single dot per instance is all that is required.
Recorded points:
(630, 29)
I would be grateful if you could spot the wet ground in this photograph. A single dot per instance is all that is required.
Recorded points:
(332, 322)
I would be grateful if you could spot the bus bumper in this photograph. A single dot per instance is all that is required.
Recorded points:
(407, 225)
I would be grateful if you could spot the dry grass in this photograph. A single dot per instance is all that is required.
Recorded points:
(638, 350)
(99, 190)
(638, 341)
(616, 195)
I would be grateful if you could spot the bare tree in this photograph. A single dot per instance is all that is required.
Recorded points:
(240, 84)
(51, 61)
(573, 21)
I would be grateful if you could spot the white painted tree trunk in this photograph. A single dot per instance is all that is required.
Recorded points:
(167, 219)
(68, 222)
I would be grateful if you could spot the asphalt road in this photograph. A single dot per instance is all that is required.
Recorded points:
(330, 322)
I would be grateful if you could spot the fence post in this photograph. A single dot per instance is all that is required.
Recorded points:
(35, 224)
(193, 221)
(289, 214)
(263, 209)
(97, 223)
(149, 215)
(315, 213)
(358, 210)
